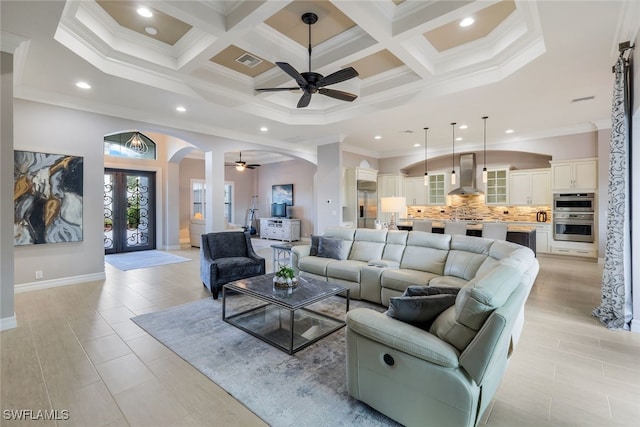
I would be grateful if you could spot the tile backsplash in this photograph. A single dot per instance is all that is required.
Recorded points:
(473, 206)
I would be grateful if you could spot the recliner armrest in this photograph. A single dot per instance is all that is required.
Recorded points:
(402, 336)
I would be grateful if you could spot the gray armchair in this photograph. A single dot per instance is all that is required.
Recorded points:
(225, 257)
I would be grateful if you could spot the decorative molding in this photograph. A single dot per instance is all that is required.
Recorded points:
(7, 323)
(54, 283)
(9, 42)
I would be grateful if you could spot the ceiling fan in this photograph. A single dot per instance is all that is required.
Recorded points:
(311, 82)
(240, 165)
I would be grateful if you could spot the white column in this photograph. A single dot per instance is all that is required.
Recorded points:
(7, 315)
(214, 181)
(172, 222)
(329, 180)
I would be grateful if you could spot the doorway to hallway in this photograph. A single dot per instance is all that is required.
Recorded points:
(129, 211)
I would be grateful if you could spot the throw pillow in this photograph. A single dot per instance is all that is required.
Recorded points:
(315, 240)
(419, 311)
(330, 248)
(420, 305)
(420, 291)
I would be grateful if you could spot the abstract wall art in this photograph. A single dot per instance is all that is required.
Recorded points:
(47, 198)
(282, 193)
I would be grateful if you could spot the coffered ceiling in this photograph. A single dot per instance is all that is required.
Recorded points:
(521, 62)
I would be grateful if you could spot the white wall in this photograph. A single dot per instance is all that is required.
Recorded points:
(301, 174)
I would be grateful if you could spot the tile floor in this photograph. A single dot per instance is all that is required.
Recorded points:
(76, 349)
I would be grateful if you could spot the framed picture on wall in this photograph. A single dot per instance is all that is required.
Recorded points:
(282, 193)
(48, 198)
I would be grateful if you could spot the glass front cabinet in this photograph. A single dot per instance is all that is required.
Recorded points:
(497, 189)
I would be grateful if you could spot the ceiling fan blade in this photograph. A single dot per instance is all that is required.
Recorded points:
(253, 165)
(293, 73)
(277, 89)
(338, 94)
(337, 77)
(304, 100)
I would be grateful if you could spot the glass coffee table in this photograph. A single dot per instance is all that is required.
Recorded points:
(282, 317)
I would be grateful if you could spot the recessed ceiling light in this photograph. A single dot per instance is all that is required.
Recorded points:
(463, 126)
(416, 145)
(467, 21)
(181, 108)
(509, 131)
(377, 137)
(151, 30)
(83, 85)
(264, 129)
(459, 138)
(143, 11)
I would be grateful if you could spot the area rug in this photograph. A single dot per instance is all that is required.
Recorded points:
(142, 259)
(305, 389)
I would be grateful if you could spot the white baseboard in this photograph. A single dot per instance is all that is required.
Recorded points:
(53, 283)
(8, 323)
(173, 248)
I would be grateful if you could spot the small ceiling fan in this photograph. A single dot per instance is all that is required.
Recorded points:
(240, 165)
(311, 82)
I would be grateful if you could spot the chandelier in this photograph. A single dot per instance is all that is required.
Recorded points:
(137, 144)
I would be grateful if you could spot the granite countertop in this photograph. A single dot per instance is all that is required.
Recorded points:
(473, 225)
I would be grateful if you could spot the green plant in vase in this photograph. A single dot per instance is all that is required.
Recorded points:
(285, 277)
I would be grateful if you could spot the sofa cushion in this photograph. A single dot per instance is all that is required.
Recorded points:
(331, 248)
(419, 310)
(401, 279)
(345, 270)
(383, 263)
(450, 331)
(368, 244)
(315, 265)
(476, 245)
(421, 258)
(463, 264)
(396, 242)
(448, 282)
(236, 266)
(477, 300)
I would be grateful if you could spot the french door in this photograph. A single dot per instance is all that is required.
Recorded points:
(129, 211)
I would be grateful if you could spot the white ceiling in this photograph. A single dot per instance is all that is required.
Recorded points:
(524, 74)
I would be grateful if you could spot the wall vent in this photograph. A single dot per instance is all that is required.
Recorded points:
(249, 60)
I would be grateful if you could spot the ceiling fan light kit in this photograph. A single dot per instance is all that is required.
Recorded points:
(311, 82)
(240, 165)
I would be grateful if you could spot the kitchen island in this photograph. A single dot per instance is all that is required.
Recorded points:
(524, 235)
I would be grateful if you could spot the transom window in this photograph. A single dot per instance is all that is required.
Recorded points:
(134, 145)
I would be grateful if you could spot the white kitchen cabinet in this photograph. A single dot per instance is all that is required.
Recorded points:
(280, 229)
(437, 192)
(496, 188)
(543, 238)
(364, 174)
(415, 191)
(530, 187)
(389, 185)
(574, 175)
(580, 249)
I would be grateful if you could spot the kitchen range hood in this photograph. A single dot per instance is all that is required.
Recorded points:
(467, 176)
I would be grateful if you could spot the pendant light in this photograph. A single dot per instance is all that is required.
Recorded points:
(484, 170)
(137, 144)
(426, 174)
(453, 150)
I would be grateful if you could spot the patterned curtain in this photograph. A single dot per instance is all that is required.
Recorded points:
(616, 309)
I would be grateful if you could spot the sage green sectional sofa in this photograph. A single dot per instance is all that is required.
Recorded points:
(447, 372)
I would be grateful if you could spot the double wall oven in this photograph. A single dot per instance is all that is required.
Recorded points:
(573, 217)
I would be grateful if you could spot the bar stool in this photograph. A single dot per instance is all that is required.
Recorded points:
(423, 226)
(495, 230)
(453, 227)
